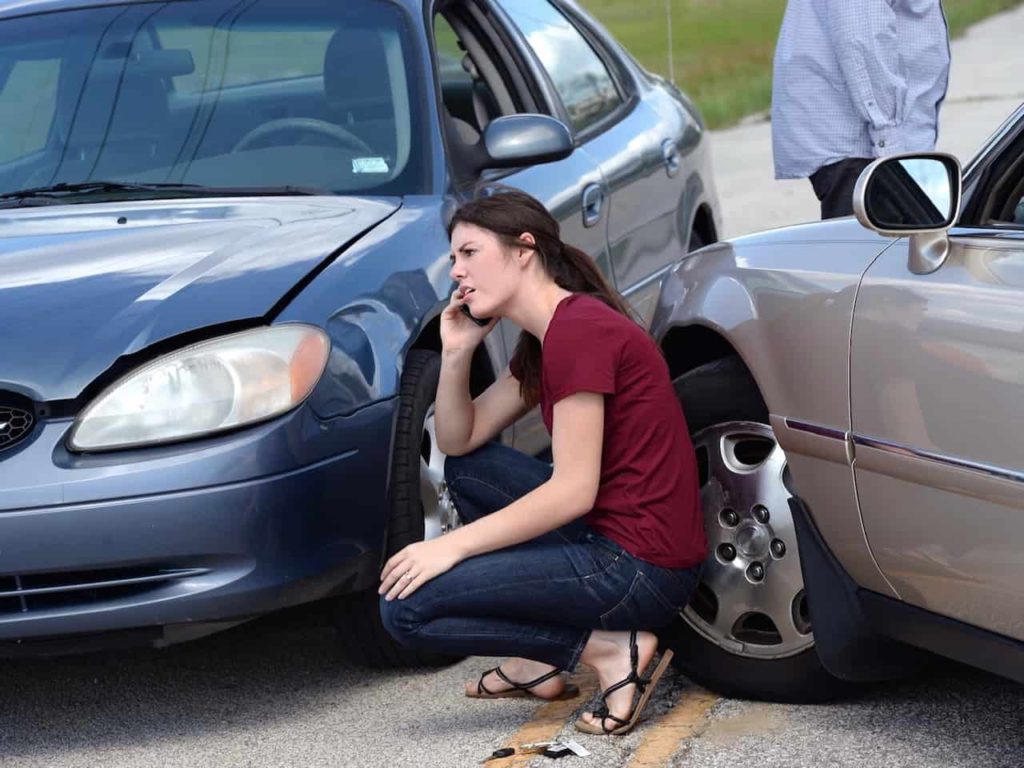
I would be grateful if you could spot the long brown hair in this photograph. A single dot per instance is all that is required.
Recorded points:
(508, 214)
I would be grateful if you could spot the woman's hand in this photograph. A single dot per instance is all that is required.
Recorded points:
(414, 566)
(459, 332)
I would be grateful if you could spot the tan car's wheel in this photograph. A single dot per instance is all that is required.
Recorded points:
(751, 599)
(747, 631)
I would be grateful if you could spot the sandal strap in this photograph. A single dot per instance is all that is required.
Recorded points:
(481, 688)
(532, 683)
(633, 678)
(602, 712)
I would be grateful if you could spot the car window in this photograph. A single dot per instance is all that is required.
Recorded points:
(321, 94)
(449, 58)
(28, 95)
(466, 94)
(577, 72)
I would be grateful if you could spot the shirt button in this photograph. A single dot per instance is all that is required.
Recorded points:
(881, 143)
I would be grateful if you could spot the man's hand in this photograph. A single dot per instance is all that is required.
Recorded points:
(415, 565)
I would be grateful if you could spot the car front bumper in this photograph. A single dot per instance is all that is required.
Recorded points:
(182, 540)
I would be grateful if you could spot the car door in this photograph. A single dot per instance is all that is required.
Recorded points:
(572, 189)
(635, 146)
(642, 149)
(937, 387)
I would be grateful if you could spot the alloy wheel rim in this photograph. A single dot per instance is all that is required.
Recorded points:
(751, 600)
(439, 515)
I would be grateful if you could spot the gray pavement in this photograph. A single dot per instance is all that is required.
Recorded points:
(960, 720)
(986, 84)
(277, 693)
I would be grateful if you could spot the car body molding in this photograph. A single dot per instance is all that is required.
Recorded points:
(983, 481)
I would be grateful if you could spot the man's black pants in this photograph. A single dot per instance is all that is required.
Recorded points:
(834, 183)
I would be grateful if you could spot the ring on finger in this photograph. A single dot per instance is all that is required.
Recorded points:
(407, 576)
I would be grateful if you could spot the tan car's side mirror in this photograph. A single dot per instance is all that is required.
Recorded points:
(912, 194)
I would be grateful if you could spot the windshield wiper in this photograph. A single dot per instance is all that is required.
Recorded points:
(60, 192)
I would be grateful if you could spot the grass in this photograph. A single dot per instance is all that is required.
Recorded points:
(723, 48)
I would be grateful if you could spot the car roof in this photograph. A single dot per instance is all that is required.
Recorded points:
(12, 8)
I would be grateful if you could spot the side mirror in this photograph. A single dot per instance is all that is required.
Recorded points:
(915, 194)
(517, 140)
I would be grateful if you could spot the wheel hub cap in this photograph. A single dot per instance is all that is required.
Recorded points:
(753, 540)
(751, 599)
(439, 514)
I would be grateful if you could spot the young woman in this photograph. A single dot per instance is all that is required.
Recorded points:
(553, 566)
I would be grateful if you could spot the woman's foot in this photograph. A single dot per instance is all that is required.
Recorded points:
(520, 671)
(608, 654)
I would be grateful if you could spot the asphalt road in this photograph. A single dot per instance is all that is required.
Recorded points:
(279, 693)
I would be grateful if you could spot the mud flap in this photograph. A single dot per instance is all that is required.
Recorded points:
(847, 645)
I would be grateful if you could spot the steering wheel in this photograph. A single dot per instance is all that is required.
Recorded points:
(309, 124)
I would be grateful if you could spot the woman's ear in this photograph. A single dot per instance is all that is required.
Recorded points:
(526, 237)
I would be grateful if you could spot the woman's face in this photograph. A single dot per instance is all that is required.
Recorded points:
(484, 269)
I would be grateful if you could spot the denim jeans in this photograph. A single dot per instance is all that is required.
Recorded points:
(539, 599)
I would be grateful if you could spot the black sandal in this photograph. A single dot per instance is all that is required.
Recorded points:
(521, 690)
(644, 686)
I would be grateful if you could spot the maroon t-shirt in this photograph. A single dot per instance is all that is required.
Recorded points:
(648, 500)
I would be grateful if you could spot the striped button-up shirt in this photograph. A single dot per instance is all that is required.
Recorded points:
(856, 78)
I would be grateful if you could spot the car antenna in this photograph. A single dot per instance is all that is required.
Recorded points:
(671, 68)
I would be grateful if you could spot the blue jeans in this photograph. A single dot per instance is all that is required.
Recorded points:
(539, 599)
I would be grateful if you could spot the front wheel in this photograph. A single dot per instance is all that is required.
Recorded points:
(747, 631)
(420, 509)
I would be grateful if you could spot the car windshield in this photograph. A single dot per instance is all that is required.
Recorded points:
(318, 94)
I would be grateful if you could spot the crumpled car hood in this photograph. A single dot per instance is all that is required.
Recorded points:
(82, 285)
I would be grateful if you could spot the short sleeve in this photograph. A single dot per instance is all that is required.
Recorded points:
(579, 357)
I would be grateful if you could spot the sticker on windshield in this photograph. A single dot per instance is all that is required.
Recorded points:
(369, 165)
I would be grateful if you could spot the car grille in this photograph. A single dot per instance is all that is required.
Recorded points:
(20, 594)
(15, 424)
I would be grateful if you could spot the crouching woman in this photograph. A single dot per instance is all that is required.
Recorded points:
(554, 566)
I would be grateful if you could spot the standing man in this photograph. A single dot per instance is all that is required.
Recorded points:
(855, 80)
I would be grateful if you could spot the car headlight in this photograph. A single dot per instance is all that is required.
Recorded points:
(206, 388)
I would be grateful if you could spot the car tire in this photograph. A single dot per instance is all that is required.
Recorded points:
(359, 625)
(743, 660)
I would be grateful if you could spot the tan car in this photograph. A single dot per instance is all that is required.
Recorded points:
(855, 390)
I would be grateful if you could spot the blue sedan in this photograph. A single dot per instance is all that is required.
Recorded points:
(222, 260)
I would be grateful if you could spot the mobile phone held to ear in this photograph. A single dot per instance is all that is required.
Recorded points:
(478, 320)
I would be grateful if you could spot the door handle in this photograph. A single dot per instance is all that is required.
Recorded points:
(670, 156)
(593, 204)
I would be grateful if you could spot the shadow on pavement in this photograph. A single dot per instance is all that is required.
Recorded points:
(246, 678)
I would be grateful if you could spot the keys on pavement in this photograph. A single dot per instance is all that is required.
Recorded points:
(554, 749)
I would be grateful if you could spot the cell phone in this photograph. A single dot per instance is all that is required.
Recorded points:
(481, 321)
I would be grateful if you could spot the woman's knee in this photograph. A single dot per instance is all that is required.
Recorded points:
(400, 619)
(472, 464)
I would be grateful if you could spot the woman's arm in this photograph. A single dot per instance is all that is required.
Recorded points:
(570, 493)
(464, 424)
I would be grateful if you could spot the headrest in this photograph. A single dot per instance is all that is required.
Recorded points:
(355, 66)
